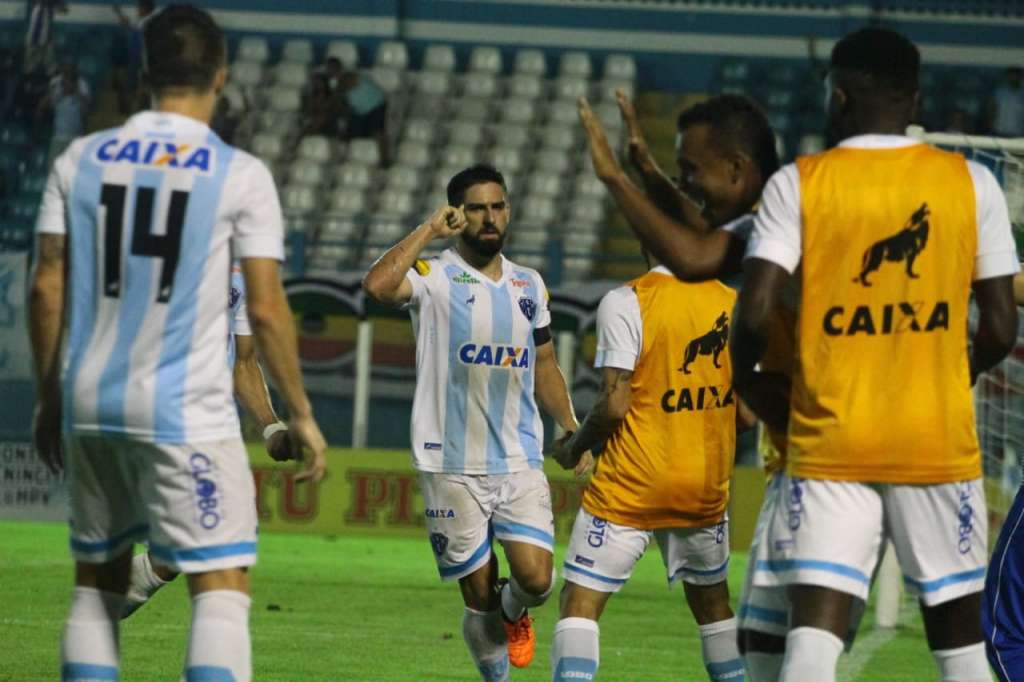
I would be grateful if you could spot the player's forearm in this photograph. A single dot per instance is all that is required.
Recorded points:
(990, 346)
(251, 391)
(660, 188)
(46, 313)
(274, 331)
(553, 396)
(385, 277)
(598, 426)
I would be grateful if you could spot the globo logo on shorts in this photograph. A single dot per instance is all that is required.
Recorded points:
(207, 503)
(157, 154)
(495, 355)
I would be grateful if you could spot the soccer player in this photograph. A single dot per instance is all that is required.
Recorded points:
(148, 576)
(483, 352)
(725, 153)
(890, 236)
(143, 220)
(667, 414)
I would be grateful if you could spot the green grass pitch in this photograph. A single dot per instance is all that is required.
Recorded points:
(353, 608)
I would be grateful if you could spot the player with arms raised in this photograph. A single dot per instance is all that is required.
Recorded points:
(483, 351)
(890, 236)
(143, 219)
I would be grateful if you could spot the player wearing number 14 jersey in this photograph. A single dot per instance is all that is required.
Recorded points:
(144, 219)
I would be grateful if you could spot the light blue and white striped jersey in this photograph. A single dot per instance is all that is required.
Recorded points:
(238, 316)
(474, 410)
(153, 212)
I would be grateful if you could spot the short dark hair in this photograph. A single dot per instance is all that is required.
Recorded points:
(474, 175)
(183, 48)
(885, 61)
(736, 120)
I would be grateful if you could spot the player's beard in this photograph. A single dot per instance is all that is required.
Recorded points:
(484, 247)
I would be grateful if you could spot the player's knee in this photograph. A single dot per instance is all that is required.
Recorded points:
(537, 580)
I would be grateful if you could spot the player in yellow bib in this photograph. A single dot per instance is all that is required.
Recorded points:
(890, 236)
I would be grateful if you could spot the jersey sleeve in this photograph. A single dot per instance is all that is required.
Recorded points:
(241, 315)
(421, 276)
(52, 217)
(741, 228)
(997, 252)
(619, 330)
(543, 305)
(259, 224)
(776, 235)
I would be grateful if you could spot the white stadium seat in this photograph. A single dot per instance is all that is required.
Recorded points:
(529, 238)
(404, 178)
(459, 155)
(512, 135)
(395, 203)
(531, 62)
(414, 154)
(508, 160)
(434, 83)
(473, 110)
(553, 161)
(385, 228)
(307, 172)
(299, 199)
(536, 211)
(575, 64)
(267, 146)
(587, 186)
(393, 54)
(421, 130)
(389, 79)
(297, 50)
(608, 86)
(253, 49)
(543, 184)
(558, 136)
(466, 133)
(525, 86)
(345, 51)
(235, 96)
(315, 148)
(353, 175)
(518, 111)
(485, 60)
(479, 85)
(339, 228)
(619, 66)
(282, 98)
(563, 113)
(572, 87)
(347, 201)
(291, 74)
(577, 268)
(439, 58)
(247, 73)
(586, 211)
(364, 150)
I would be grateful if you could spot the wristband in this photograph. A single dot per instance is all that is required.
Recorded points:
(276, 427)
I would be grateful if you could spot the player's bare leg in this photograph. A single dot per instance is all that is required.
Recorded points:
(147, 577)
(819, 620)
(89, 645)
(954, 635)
(717, 624)
(482, 624)
(575, 649)
(531, 582)
(219, 646)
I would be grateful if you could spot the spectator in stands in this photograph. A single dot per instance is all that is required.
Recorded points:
(334, 72)
(127, 77)
(1006, 110)
(39, 34)
(321, 108)
(367, 107)
(70, 107)
(69, 71)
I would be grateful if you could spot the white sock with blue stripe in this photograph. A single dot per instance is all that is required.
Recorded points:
(811, 654)
(515, 600)
(966, 664)
(89, 647)
(576, 650)
(721, 651)
(218, 643)
(487, 643)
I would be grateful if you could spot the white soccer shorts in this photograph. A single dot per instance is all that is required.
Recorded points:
(601, 554)
(830, 533)
(195, 505)
(766, 609)
(465, 511)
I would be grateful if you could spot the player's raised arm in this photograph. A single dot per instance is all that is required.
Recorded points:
(46, 318)
(386, 281)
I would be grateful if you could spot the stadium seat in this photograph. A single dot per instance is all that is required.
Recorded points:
(584, 241)
(420, 130)
(610, 116)
(397, 204)
(297, 50)
(810, 144)
(575, 64)
(439, 58)
(536, 211)
(442, 175)
(347, 201)
(525, 86)
(364, 150)
(404, 178)
(387, 78)
(315, 148)
(544, 184)
(619, 67)
(519, 111)
(586, 212)
(479, 85)
(32, 185)
(291, 74)
(281, 98)
(300, 222)
(354, 175)
(414, 154)
(553, 161)
(339, 228)
(253, 49)
(608, 86)
(531, 62)
(473, 110)
(299, 199)
(558, 136)
(466, 133)
(737, 71)
(386, 228)
(267, 146)
(484, 59)
(392, 54)
(528, 238)
(345, 51)
(234, 94)
(307, 172)
(508, 160)
(512, 135)
(434, 83)
(248, 74)
(587, 186)
(563, 113)
(459, 155)
(577, 268)
(572, 87)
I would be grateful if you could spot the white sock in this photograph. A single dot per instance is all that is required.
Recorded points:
(576, 650)
(487, 643)
(144, 584)
(811, 654)
(762, 666)
(89, 647)
(515, 600)
(966, 664)
(721, 651)
(218, 642)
